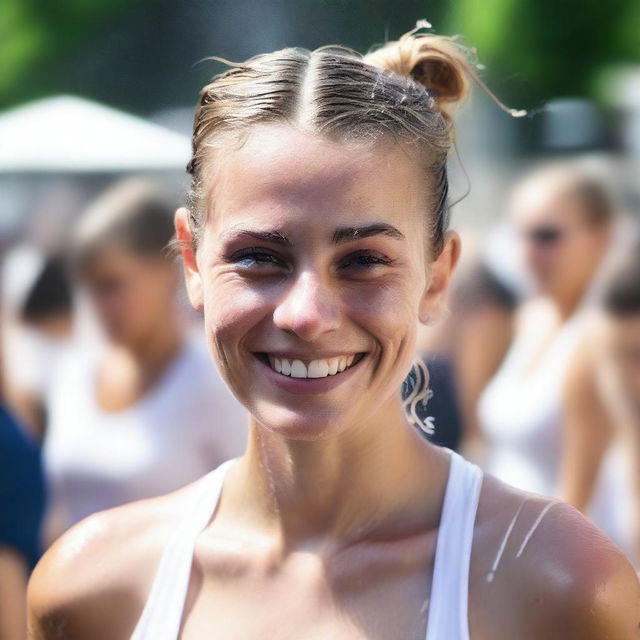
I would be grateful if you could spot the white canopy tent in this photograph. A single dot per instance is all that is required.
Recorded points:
(71, 134)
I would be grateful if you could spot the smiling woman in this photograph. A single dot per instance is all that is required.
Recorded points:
(314, 241)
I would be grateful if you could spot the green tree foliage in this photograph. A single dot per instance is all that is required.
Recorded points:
(140, 54)
(37, 35)
(537, 50)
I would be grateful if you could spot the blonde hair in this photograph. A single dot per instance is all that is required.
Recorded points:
(406, 89)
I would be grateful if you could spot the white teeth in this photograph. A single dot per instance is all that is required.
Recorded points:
(318, 369)
(315, 368)
(298, 369)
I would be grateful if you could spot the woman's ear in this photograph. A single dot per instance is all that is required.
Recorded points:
(438, 278)
(184, 236)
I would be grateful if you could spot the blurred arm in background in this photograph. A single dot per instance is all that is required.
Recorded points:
(617, 341)
(483, 335)
(464, 350)
(13, 581)
(481, 329)
(589, 427)
(602, 395)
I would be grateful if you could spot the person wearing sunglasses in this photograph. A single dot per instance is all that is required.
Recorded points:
(542, 431)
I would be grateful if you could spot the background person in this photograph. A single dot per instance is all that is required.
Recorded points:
(139, 412)
(534, 413)
(611, 374)
(37, 328)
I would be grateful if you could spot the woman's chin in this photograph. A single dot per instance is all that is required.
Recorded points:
(304, 425)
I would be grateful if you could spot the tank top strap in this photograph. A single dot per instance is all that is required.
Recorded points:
(162, 614)
(448, 605)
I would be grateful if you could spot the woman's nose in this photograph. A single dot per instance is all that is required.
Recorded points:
(308, 308)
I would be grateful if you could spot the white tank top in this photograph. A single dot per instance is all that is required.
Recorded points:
(187, 424)
(521, 415)
(161, 617)
(520, 411)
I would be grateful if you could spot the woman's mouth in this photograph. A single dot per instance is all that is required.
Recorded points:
(320, 368)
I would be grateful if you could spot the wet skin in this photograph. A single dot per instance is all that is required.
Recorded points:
(327, 525)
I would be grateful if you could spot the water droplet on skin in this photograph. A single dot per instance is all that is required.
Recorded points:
(490, 576)
(531, 531)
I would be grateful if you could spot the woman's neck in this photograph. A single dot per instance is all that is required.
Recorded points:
(126, 373)
(381, 481)
(156, 348)
(567, 305)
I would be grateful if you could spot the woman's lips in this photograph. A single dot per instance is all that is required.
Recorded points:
(305, 368)
(297, 383)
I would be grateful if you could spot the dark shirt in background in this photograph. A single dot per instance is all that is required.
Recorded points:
(22, 490)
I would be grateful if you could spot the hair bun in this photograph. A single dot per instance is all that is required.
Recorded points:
(439, 63)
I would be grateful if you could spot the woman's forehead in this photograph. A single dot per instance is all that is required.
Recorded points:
(280, 168)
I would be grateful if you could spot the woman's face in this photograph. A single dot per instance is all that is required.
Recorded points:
(313, 258)
(130, 293)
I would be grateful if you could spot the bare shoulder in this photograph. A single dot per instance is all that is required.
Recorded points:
(93, 581)
(547, 572)
(592, 589)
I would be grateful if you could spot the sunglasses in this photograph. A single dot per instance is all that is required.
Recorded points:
(546, 235)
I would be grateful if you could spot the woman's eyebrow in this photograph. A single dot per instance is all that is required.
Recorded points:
(274, 237)
(347, 234)
(341, 235)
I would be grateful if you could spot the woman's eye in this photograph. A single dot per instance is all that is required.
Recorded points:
(364, 261)
(253, 257)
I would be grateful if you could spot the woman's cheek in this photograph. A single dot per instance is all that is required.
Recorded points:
(386, 304)
(392, 320)
(231, 312)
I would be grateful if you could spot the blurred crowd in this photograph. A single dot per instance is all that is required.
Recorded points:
(109, 394)
(109, 391)
(538, 362)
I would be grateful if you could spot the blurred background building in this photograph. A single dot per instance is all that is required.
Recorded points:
(574, 67)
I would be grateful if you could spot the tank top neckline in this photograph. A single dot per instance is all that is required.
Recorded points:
(150, 396)
(161, 618)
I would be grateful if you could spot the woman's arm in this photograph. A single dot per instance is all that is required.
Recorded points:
(84, 586)
(605, 603)
(92, 582)
(64, 582)
(571, 583)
